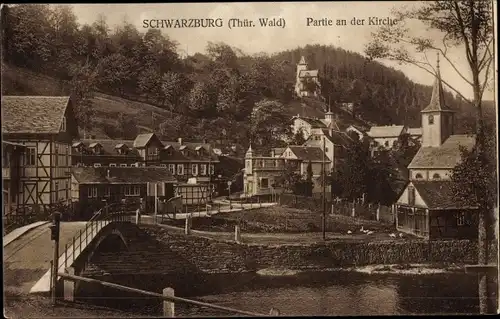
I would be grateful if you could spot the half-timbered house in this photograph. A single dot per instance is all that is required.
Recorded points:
(11, 172)
(45, 125)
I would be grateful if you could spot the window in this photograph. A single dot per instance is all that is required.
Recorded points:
(163, 165)
(411, 195)
(153, 151)
(112, 165)
(212, 169)
(92, 192)
(107, 191)
(264, 183)
(97, 165)
(171, 168)
(436, 176)
(31, 156)
(132, 190)
(123, 165)
(460, 219)
(326, 149)
(56, 191)
(194, 169)
(431, 119)
(63, 125)
(386, 143)
(418, 176)
(180, 169)
(203, 169)
(56, 155)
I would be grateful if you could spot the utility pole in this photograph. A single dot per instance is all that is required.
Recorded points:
(54, 234)
(323, 182)
(209, 173)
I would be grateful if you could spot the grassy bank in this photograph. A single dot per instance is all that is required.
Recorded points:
(279, 219)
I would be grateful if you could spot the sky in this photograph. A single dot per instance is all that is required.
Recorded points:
(296, 33)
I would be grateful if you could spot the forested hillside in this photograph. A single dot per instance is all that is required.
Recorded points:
(224, 95)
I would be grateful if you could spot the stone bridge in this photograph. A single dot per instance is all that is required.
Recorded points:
(28, 254)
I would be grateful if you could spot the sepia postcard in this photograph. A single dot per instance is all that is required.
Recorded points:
(249, 159)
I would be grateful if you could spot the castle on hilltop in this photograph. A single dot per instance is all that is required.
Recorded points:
(307, 81)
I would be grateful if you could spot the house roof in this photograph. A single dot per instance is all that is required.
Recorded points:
(192, 154)
(308, 73)
(109, 147)
(121, 175)
(33, 114)
(445, 156)
(142, 140)
(385, 131)
(357, 127)
(278, 151)
(315, 123)
(437, 194)
(308, 153)
(415, 131)
(337, 137)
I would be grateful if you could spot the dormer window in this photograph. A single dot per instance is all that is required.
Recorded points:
(96, 148)
(199, 150)
(436, 176)
(121, 149)
(168, 149)
(183, 149)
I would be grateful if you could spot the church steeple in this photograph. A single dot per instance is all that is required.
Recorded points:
(302, 61)
(437, 102)
(437, 117)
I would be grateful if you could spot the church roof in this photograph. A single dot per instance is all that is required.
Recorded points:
(385, 131)
(308, 74)
(445, 156)
(437, 102)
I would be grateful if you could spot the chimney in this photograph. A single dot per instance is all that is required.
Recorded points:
(179, 140)
(107, 173)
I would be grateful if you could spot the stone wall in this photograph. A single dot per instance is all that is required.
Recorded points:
(175, 253)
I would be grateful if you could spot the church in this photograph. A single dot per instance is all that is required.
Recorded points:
(307, 81)
(426, 208)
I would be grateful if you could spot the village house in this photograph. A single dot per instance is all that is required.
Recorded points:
(335, 143)
(12, 154)
(45, 126)
(182, 159)
(426, 207)
(386, 136)
(307, 81)
(92, 187)
(262, 173)
(361, 132)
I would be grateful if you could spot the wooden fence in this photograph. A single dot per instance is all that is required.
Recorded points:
(356, 209)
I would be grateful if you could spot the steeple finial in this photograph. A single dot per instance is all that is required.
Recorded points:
(438, 64)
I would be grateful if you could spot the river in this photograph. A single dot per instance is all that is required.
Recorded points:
(310, 294)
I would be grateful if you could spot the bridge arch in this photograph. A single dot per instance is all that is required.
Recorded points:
(109, 239)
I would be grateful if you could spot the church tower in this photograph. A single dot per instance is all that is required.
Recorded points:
(248, 160)
(302, 66)
(437, 117)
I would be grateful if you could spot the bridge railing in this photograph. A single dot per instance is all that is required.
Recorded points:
(115, 212)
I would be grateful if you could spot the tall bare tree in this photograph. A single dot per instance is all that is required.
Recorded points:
(466, 25)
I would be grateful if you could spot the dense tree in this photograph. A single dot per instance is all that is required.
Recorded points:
(269, 124)
(298, 138)
(83, 84)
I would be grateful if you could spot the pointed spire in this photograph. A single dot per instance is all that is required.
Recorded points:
(302, 60)
(437, 102)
